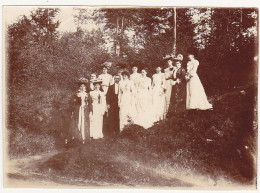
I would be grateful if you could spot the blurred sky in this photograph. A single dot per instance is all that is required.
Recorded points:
(11, 14)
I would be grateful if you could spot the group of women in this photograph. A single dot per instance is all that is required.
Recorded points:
(140, 100)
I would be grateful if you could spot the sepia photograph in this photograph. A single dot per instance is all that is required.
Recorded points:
(130, 97)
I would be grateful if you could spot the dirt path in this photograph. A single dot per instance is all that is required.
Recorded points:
(21, 173)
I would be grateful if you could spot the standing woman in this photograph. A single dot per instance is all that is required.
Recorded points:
(124, 99)
(168, 72)
(99, 107)
(196, 96)
(91, 85)
(158, 99)
(134, 79)
(106, 78)
(178, 96)
(81, 107)
(145, 116)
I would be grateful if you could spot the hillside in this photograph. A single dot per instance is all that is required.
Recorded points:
(192, 149)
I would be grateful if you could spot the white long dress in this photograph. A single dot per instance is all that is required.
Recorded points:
(158, 99)
(124, 101)
(145, 117)
(96, 117)
(134, 80)
(196, 96)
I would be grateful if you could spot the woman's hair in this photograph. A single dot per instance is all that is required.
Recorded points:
(126, 73)
(145, 69)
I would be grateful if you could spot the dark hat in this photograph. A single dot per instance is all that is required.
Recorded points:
(126, 73)
(82, 81)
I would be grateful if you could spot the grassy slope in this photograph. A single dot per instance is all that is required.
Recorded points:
(217, 143)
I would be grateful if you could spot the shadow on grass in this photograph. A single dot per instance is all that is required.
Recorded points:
(218, 144)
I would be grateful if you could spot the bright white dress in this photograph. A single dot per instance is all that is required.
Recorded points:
(124, 101)
(158, 97)
(196, 96)
(134, 79)
(107, 79)
(145, 116)
(96, 117)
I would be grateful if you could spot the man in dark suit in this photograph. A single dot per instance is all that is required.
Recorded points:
(112, 124)
(178, 96)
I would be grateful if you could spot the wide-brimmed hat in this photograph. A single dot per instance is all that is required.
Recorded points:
(106, 65)
(97, 81)
(179, 57)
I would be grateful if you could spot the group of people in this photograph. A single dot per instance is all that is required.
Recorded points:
(104, 105)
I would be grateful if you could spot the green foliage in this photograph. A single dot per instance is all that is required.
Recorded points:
(43, 64)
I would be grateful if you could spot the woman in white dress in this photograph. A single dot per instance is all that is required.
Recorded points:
(106, 79)
(134, 79)
(98, 110)
(145, 117)
(158, 99)
(196, 96)
(124, 100)
(91, 85)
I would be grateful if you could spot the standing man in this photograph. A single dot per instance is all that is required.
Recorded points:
(112, 127)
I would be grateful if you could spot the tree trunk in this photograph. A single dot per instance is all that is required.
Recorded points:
(121, 37)
(116, 39)
(174, 31)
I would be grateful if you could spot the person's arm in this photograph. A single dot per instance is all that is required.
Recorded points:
(149, 84)
(89, 102)
(153, 81)
(163, 82)
(193, 71)
(119, 94)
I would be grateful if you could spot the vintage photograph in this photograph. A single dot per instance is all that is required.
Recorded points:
(130, 97)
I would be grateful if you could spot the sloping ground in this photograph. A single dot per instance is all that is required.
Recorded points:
(194, 149)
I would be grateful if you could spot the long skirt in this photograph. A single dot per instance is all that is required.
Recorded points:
(133, 107)
(178, 99)
(168, 94)
(80, 124)
(145, 116)
(96, 121)
(125, 110)
(158, 104)
(196, 96)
